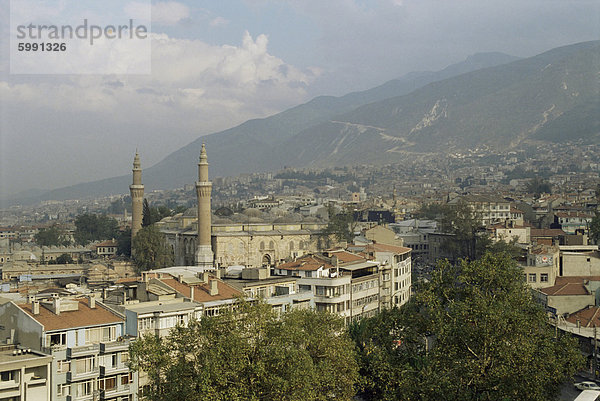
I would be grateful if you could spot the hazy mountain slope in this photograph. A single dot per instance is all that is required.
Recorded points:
(253, 145)
(498, 107)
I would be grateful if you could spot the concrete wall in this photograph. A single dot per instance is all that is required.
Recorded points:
(28, 332)
(580, 264)
(570, 303)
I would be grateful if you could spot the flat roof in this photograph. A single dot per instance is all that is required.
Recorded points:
(32, 358)
(242, 283)
(162, 306)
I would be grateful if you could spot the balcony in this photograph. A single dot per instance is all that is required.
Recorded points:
(77, 376)
(113, 370)
(9, 384)
(76, 352)
(121, 390)
(35, 381)
(83, 397)
(114, 346)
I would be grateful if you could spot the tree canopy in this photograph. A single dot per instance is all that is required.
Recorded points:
(539, 186)
(124, 242)
(51, 236)
(472, 333)
(153, 214)
(92, 227)
(251, 354)
(595, 227)
(341, 226)
(150, 249)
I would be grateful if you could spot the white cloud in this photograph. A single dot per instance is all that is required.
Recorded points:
(195, 89)
(219, 21)
(169, 12)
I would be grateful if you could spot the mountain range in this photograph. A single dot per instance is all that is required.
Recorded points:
(490, 99)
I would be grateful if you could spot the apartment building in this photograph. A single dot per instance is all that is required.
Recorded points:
(86, 340)
(350, 284)
(24, 374)
(487, 210)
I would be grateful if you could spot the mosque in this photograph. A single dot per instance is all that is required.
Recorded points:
(196, 241)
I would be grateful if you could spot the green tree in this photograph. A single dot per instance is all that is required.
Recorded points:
(120, 205)
(152, 214)
(539, 186)
(430, 211)
(251, 354)
(595, 227)
(91, 227)
(341, 226)
(51, 236)
(150, 249)
(64, 259)
(124, 242)
(473, 332)
(462, 223)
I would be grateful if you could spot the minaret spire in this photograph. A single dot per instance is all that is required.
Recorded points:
(204, 254)
(137, 196)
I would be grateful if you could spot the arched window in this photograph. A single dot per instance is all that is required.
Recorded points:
(291, 245)
(271, 245)
(262, 245)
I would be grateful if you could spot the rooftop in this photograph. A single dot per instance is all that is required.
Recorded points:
(588, 317)
(202, 291)
(306, 263)
(83, 317)
(378, 247)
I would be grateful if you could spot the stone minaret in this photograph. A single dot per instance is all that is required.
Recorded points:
(137, 197)
(204, 253)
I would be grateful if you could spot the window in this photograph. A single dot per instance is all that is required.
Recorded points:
(124, 357)
(56, 339)
(126, 378)
(85, 388)
(146, 323)
(63, 366)
(62, 390)
(100, 334)
(544, 278)
(8, 376)
(531, 277)
(108, 384)
(85, 365)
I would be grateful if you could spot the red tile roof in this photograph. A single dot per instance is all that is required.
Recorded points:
(546, 232)
(346, 257)
(589, 317)
(107, 243)
(306, 263)
(566, 289)
(377, 247)
(574, 214)
(84, 317)
(202, 291)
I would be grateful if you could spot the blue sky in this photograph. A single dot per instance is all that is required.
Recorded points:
(218, 63)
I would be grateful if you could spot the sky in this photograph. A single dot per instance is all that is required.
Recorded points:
(215, 64)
